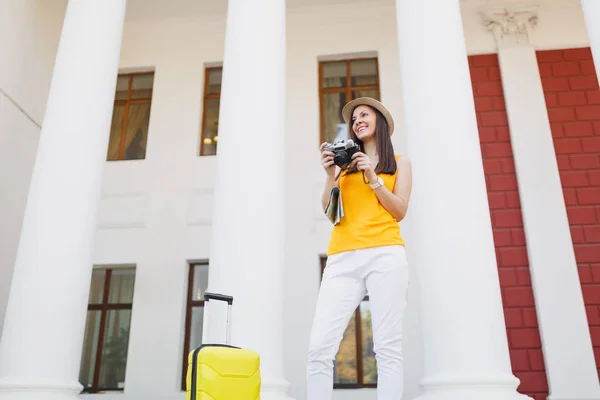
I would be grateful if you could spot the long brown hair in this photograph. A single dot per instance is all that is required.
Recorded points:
(385, 149)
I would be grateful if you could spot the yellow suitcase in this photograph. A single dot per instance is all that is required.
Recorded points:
(222, 371)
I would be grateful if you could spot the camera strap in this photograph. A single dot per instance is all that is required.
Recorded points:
(364, 178)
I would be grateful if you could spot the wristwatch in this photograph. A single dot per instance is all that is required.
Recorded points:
(376, 184)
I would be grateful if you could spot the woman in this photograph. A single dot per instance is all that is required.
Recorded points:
(366, 252)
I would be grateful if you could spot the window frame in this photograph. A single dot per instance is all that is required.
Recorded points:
(358, 345)
(190, 304)
(348, 89)
(208, 96)
(105, 307)
(126, 103)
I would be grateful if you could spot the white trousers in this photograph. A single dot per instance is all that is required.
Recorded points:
(382, 273)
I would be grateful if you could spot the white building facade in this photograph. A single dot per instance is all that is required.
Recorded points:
(151, 150)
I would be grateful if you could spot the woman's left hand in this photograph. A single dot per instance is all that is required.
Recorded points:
(364, 163)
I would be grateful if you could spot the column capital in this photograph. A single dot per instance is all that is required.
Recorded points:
(511, 24)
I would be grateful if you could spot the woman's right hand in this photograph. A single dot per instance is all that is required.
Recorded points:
(327, 160)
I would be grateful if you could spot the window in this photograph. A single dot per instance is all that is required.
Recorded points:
(131, 117)
(197, 284)
(106, 340)
(210, 115)
(351, 371)
(340, 82)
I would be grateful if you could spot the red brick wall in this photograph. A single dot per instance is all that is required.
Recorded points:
(573, 101)
(511, 252)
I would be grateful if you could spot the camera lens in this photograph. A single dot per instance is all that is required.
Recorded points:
(341, 159)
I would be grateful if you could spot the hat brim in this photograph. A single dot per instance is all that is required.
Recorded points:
(368, 101)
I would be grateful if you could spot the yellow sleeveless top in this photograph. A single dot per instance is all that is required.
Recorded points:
(365, 222)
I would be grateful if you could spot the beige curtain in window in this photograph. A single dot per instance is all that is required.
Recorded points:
(332, 108)
(115, 132)
(136, 133)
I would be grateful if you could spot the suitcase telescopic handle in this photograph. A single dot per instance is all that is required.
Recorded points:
(216, 296)
(222, 297)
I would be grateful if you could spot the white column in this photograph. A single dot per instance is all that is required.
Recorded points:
(40, 350)
(466, 355)
(248, 233)
(564, 330)
(591, 13)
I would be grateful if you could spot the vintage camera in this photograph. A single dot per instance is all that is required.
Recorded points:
(342, 151)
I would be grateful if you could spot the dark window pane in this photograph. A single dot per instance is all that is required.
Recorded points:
(97, 286)
(90, 347)
(364, 72)
(138, 119)
(114, 351)
(115, 132)
(374, 93)
(213, 86)
(141, 87)
(200, 281)
(368, 355)
(211, 127)
(121, 286)
(196, 327)
(335, 127)
(122, 87)
(345, 364)
(334, 74)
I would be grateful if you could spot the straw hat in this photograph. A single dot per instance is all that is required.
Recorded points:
(349, 109)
